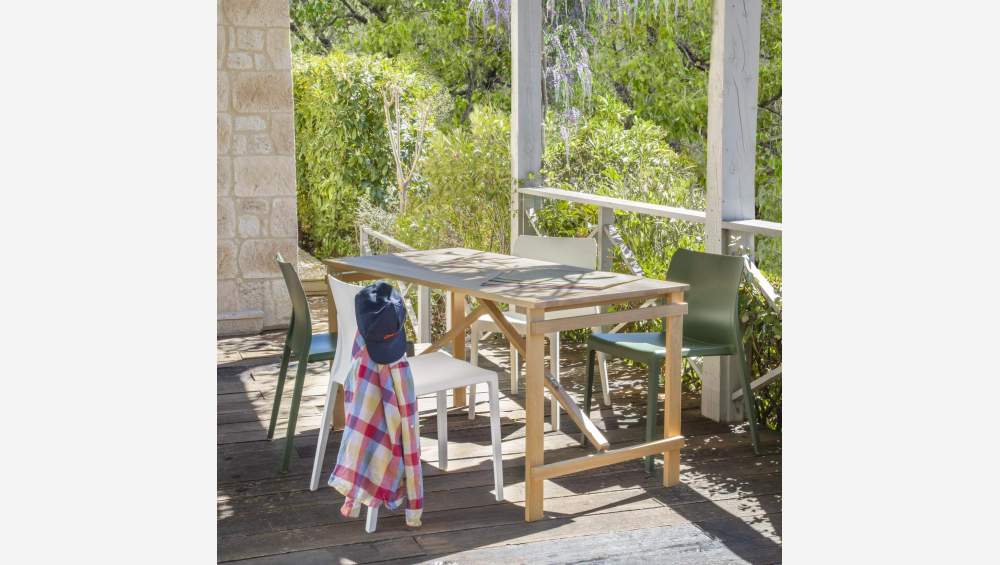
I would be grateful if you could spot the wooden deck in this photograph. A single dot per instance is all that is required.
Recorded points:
(728, 509)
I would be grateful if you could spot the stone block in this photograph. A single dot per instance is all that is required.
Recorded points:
(259, 144)
(226, 259)
(284, 222)
(239, 61)
(250, 123)
(260, 62)
(261, 13)
(224, 133)
(283, 133)
(278, 49)
(251, 294)
(227, 297)
(277, 305)
(224, 176)
(249, 226)
(222, 91)
(257, 206)
(226, 218)
(256, 257)
(239, 326)
(220, 46)
(239, 146)
(254, 92)
(265, 175)
(250, 39)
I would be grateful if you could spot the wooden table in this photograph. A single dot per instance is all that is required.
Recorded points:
(467, 272)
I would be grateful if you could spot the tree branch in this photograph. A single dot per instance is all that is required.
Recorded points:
(692, 59)
(354, 14)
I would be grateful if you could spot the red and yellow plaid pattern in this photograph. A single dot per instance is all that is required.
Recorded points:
(379, 458)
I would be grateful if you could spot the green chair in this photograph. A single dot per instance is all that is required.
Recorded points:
(711, 327)
(304, 346)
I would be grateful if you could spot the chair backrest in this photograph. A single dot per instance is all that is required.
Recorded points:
(573, 251)
(300, 332)
(347, 326)
(713, 299)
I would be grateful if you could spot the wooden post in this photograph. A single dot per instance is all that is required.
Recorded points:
(456, 312)
(526, 20)
(534, 408)
(732, 133)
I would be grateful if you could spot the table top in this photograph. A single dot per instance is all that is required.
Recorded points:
(495, 276)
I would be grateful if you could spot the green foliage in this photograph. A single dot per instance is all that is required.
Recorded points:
(636, 163)
(341, 144)
(465, 196)
(762, 342)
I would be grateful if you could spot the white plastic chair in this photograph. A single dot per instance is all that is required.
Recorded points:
(435, 372)
(573, 251)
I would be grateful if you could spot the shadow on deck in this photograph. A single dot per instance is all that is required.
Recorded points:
(728, 508)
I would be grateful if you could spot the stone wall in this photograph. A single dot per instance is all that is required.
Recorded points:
(256, 177)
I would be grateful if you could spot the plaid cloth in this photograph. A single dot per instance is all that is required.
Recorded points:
(379, 458)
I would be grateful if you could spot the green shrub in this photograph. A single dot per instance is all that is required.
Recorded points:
(341, 144)
(464, 197)
(635, 163)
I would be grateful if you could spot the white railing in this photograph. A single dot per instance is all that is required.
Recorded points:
(422, 320)
(607, 236)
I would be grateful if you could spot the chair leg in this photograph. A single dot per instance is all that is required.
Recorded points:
(554, 354)
(293, 413)
(515, 369)
(603, 364)
(442, 429)
(474, 354)
(324, 434)
(748, 403)
(282, 372)
(371, 519)
(496, 438)
(653, 383)
(472, 401)
(588, 390)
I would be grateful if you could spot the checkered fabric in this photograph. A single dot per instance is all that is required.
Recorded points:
(379, 458)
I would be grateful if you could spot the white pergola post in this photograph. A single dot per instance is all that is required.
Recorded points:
(526, 19)
(732, 137)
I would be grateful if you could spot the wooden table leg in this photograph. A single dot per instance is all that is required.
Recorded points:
(457, 314)
(672, 387)
(534, 407)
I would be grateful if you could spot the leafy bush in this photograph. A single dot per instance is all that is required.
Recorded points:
(762, 342)
(464, 200)
(606, 157)
(341, 143)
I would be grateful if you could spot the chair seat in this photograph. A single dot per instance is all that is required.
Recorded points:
(439, 371)
(322, 346)
(643, 346)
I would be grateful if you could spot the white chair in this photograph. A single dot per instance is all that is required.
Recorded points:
(573, 251)
(435, 372)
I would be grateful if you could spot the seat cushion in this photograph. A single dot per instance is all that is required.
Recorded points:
(433, 372)
(643, 346)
